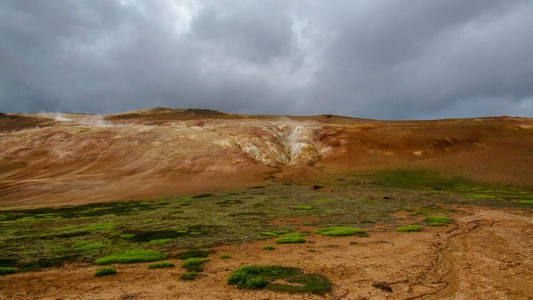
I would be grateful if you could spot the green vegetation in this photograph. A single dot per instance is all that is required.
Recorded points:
(194, 264)
(290, 238)
(7, 270)
(437, 220)
(340, 231)
(268, 247)
(225, 256)
(302, 207)
(161, 265)
(159, 241)
(193, 253)
(44, 237)
(105, 272)
(323, 201)
(527, 202)
(272, 278)
(188, 276)
(131, 256)
(408, 228)
(103, 226)
(87, 246)
(480, 196)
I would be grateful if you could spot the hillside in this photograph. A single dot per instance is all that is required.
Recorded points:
(57, 159)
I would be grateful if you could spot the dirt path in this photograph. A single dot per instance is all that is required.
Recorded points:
(487, 254)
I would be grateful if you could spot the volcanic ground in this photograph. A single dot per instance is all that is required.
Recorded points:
(77, 187)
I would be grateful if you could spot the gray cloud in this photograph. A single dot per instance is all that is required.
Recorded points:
(377, 59)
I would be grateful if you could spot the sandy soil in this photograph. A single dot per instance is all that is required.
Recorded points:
(487, 254)
(72, 159)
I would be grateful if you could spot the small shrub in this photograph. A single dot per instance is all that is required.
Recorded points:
(340, 231)
(268, 247)
(193, 253)
(437, 220)
(159, 241)
(131, 256)
(408, 228)
(188, 276)
(87, 246)
(194, 264)
(259, 277)
(225, 256)
(290, 238)
(105, 272)
(161, 265)
(7, 270)
(302, 207)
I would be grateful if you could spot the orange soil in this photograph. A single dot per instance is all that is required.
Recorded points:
(160, 152)
(487, 254)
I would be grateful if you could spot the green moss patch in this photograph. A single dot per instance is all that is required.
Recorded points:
(279, 279)
(408, 228)
(7, 270)
(87, 246)
(290, 238)
(527, 202)
(225, 256)
(437, 220)
(161, 265)
(302, 207)
(268, 247)
(194, 264)
(159, 241)
(340, 231)
(188, 276)
(193, 253)
(105, 272)
(131, 256)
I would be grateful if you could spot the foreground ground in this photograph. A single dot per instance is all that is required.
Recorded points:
(487, 254)
(77, 188)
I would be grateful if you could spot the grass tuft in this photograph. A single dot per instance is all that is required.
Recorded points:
(105, 272)
(268, 247)
(193, 253)
(131, 256)
(159, 242)
(161, 265)
(7, 270)
(188, 276)
(527, 202)
(274, 278)
(408, 228)
(194, 264)
(290, 238)
(340, 231)
(87, 246)
(225, 256)
(302, 207)
(437, 220)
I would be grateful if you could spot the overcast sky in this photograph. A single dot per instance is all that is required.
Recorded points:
(415, 59)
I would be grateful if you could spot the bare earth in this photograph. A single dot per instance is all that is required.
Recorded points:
(82, 158)
(52, 160)
(486, 255)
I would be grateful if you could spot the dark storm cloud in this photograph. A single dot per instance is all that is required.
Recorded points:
(379, 59)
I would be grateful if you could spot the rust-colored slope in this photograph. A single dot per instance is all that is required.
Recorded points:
(83, 158)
